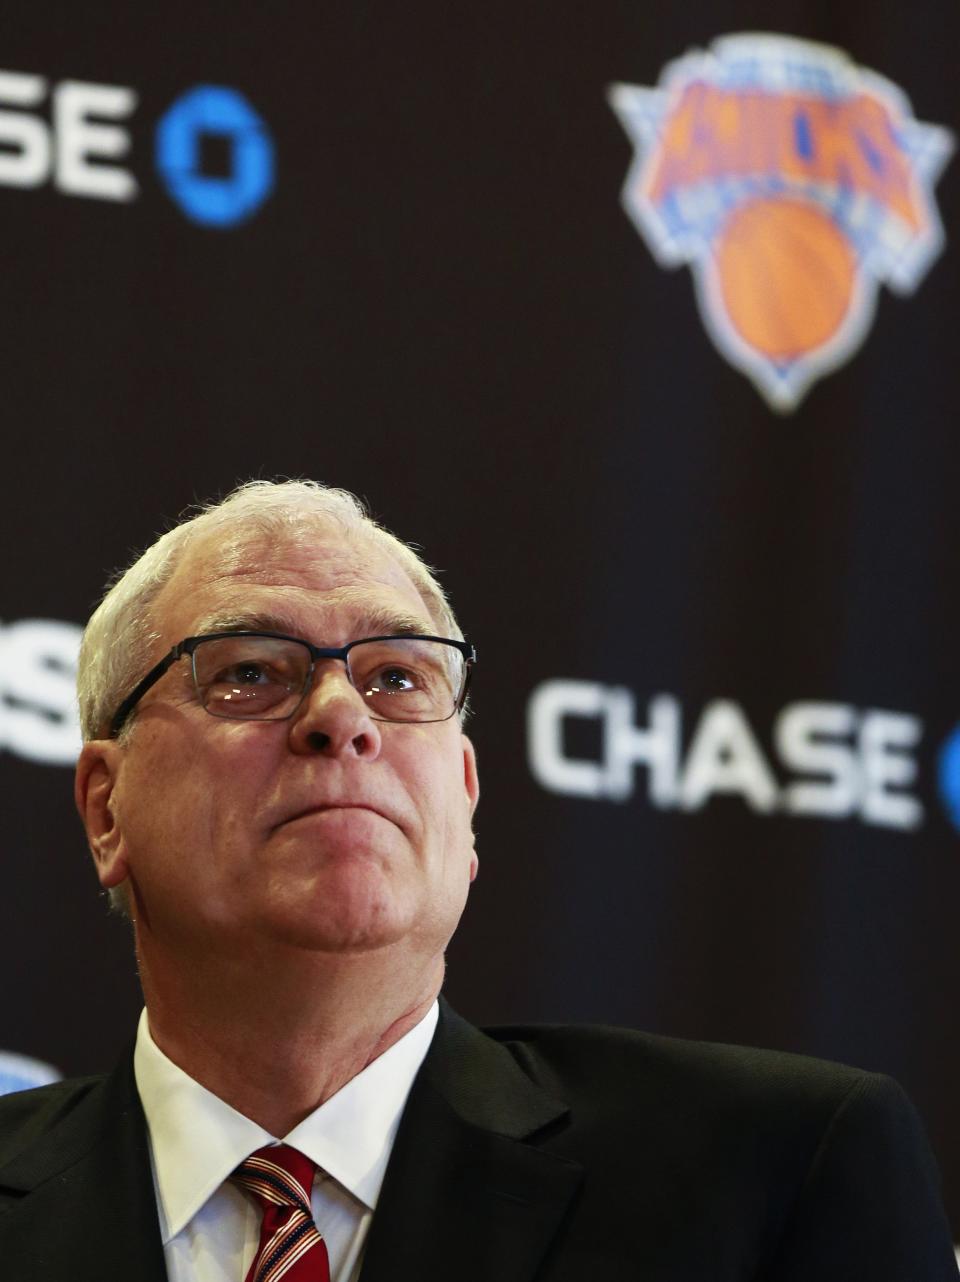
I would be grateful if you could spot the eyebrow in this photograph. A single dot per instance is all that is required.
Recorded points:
(376, 622)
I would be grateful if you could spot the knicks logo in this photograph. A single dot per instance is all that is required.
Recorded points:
(791, 181)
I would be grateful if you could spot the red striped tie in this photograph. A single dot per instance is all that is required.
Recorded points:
(291, 1247)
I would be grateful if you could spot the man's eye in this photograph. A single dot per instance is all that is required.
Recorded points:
(246, 674)
(393, 681)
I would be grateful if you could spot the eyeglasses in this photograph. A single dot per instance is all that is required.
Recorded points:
(265, 676)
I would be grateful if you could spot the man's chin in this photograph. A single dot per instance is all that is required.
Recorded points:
(349, 909)
(334, 939)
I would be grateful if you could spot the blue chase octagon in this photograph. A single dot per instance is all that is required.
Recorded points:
(225, 113)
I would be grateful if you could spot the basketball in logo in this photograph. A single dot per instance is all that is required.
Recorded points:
(786, 276)
(791, 181)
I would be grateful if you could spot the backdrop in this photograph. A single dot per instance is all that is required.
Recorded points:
(641, 320)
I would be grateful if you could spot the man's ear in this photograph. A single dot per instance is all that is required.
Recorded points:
(96, 777)
(471, 783)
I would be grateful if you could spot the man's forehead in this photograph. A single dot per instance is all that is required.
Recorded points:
(374, 618)
(234, 579)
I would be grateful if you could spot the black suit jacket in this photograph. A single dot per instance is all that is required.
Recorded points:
(555, 1154)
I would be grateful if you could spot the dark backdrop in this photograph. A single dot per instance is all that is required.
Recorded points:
(393, 256)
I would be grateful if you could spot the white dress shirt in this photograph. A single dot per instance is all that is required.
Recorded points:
(210, 1229)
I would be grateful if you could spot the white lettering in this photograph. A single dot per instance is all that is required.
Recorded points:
(25, 140)
(549, 705)
(883, 736)
(38, 716)
(657, 746)
(806, 735)
(724, 757)
(844, 762)
(78, 140)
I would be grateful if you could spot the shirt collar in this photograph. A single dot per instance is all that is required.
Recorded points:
(197, 1140)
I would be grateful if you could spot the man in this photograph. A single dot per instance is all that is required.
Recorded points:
(276, 787)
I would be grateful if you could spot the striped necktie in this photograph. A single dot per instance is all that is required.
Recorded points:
(291, 1247)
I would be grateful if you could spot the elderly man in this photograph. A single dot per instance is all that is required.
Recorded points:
(276, 788)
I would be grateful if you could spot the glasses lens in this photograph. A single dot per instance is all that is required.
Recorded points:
(250, 678)
(408, 680)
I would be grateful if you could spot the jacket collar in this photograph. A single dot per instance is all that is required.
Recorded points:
(468, 1193)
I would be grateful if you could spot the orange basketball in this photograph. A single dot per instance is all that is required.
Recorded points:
(786, 275)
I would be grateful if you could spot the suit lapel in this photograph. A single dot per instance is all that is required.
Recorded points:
(78, 1200)
(466, 1193)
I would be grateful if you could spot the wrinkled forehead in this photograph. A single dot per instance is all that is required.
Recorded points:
(236, 577)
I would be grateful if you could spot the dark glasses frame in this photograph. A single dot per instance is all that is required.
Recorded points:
(189, 644)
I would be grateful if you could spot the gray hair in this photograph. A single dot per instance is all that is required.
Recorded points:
(118, 642)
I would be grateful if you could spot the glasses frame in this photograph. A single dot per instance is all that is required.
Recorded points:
(189, 645)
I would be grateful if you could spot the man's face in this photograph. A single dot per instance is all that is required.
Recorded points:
(328, 831)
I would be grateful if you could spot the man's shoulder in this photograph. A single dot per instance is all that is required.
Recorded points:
(25, 1115)
(696, 1079)
(778, 1164)
(588, 1045)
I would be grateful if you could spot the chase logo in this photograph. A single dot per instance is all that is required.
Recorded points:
(818, 759)
(213, 111)
(73, 136)
(791, 181)
(948, 776)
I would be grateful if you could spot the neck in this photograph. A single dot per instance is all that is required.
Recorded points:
(278, 1039)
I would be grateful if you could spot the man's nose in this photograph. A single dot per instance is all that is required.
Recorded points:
(334, 717)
